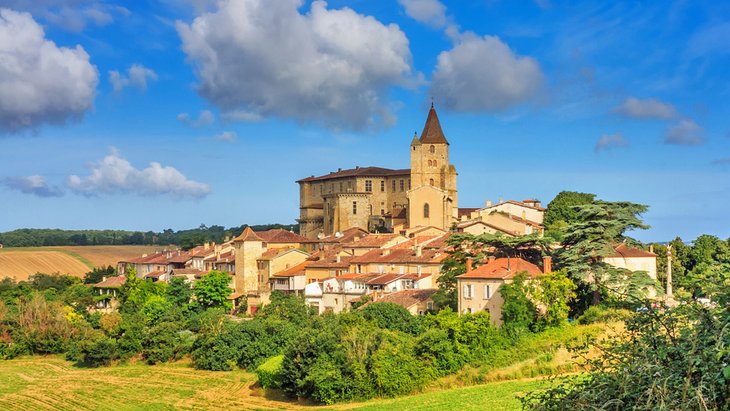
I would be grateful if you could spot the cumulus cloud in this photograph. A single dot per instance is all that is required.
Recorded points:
(646, 109)
(484, 74)
(137, 77)
(205, 118)
(609, 141)
(686, 132)
(39, 81)
(430, 12)
(115, 174)
(35, 185)
(327, 66)
(228, 136)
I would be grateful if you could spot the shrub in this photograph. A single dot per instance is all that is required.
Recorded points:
(96, 350)
(436, 348)
(599, 314)
(269, 373)
(393, 367)
(164, 342)
(389, 316)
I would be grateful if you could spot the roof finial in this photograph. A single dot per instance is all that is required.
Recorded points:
(431, 101)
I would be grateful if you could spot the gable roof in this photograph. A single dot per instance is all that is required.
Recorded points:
(407, 298)
(248, 235)
(278, 235)
(359, 172)
(297, 270)
(112, 282)
(624, 251)
(432, 133)
(503, 269)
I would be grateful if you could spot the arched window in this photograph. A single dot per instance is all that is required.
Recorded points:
(426, 210)
(432, 149)
(434, 163)
(431, 181)
(430, 163)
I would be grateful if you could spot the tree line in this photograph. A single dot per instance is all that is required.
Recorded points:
(186, 239)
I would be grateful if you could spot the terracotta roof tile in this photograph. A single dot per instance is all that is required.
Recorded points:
(408, 298)
(372, 241)
(112, 282)
(624, 251)
(279, 235)
(432, 132)
(297, 270)
(504, 269)
(247, 235)
(359, 172)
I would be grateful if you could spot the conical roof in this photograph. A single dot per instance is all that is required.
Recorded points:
(432, 133)
(248, 235)
(415, 141)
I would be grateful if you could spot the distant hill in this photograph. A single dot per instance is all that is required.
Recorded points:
(42, 237)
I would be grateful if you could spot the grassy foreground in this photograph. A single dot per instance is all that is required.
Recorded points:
(45, 383)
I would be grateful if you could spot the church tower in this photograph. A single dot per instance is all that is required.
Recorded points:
(432, 199)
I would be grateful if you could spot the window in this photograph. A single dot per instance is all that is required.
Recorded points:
(432, 149)
(321, 189)
(429, 305)
(340, 186)
(430, 163)
(382, 185)
(434, 163)
(468, 289)
(354, 207)
(431, 181)
(393, 185)
(487, 292)
(382, 211)
(402, 185)
(426, 210)
(368, 186)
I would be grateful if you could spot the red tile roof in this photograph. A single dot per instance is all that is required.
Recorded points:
(297, 270)
(359, 172)
(466, 211)
(247, 235)
(279, 235)
(187, 271)
(408, 298)
(347, 236)
(432, 132)
(155, 274)
(372, 241)
(112, 282)
(399, 255)
(385, 279)
(504, 269)
(624, 251)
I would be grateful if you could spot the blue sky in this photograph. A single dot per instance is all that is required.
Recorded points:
(169, 114)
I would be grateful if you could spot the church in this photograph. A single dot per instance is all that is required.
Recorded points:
(384, 200)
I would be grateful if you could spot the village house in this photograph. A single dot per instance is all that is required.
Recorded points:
(478, 289)
(108, 288)
(416, 301)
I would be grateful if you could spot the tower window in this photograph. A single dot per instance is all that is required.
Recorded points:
(402, 185)
(382, 185)
(354, 207)
(432, 149)
(426, 211)
(434, 163)
(431, 181)
(368, 185)
(430, 163)
(393, 185)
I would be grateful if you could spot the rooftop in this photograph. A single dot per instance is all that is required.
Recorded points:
(503, 269)
(359, 172)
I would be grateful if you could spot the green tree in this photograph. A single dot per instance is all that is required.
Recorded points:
(213, 289)
(597, 229)
(389, 316)
(97, 274)
(553, 294)
(518, 310)
(562, 211)
(179, 292)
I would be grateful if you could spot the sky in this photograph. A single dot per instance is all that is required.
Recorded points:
(160, 114)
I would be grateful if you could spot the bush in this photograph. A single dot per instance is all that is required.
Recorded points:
(269, 373)
(393, 367)
(165, 342)
(598, 314)
(437, 349)
(97, 350)
(389, 316)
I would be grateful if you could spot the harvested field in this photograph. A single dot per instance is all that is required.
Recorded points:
(19, 263)
(50, 383)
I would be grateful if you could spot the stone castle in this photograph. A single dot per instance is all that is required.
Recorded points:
(384, 200)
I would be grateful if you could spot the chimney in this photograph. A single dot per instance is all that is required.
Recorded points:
(491, 258)
(468, 265)
(547, 264)
(386, 251)
(419, 250)
(356, 239)
(651, 248)
(338, 259)
(206, 246)
(489, 203)
(103, 279)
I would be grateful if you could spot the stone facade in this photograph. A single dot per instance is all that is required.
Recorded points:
(378, 199)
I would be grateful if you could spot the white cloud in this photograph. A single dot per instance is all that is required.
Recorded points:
(609, 141)
(115, 174)
(646, 109)
(137, 77)
(39, 81)
(35, 185)
(686, 132)
(205, 118)
(430, 12)
(70, 15)
(228, 136)
(484, 74)
(332, 67)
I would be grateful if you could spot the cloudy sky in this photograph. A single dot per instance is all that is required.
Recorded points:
(169, 113)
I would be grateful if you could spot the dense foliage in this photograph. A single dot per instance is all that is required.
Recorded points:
(676, 359)
(31, 237)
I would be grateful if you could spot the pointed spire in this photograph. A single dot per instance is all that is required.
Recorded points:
(415, 141)
(432, 133)
(247, 235)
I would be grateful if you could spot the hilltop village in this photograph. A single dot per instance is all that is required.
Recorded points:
(369, 232)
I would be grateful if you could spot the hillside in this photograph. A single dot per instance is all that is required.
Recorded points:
(19, 263)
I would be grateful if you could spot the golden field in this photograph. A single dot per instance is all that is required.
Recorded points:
(19, 263)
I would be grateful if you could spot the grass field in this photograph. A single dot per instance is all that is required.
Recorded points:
(19, 263)
(50, 383)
